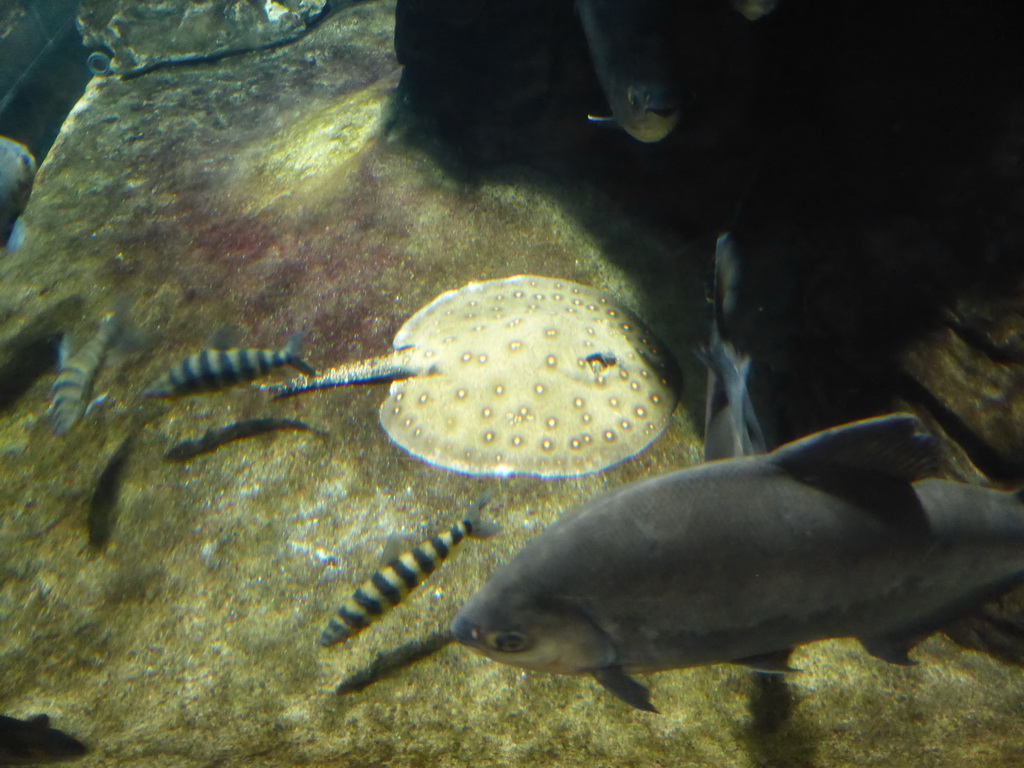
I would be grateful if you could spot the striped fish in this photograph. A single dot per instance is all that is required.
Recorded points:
(213, 369)
(389, 586)
(76, 371)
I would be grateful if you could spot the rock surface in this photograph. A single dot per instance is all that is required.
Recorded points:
(280, 191)
(144, 35)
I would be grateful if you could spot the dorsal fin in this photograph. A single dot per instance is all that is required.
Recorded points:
(224, 337)
(895, 447)
(396, 544)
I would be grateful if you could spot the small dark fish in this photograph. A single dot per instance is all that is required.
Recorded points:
(213, 369)
(389, 586)
(17, 172)
(76, 371)
(33, 741)
(388, 663)
(215, 438)
(840, 534)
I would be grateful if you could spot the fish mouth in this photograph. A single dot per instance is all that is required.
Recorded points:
(466, 632)
(651, 126)
(649, 111)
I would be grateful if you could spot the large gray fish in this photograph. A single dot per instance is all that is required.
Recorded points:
(211, 369)
(630, 46)
(739, 561)
(33, 741)
(76, 370)
(17, 172)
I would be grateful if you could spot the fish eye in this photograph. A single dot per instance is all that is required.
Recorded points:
(99, 63)
(510, 642)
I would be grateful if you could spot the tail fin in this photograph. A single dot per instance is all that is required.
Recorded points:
(292, 351)
(731, 428)
(478, 527)
(121, 315)
(123, 337)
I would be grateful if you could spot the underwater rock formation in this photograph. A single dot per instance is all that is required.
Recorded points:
(144, 35)
(291, 190)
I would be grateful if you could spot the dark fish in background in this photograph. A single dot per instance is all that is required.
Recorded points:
(213, 369)
(731, 428)
(739, 561)
(215, 438)
(17, 172)
(630, 46)
(33, 741)
(42, 69)
(76, 371)
(389, 586)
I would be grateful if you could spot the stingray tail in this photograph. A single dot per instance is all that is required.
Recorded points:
(370, 371)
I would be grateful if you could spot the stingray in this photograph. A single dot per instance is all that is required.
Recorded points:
(524, 375)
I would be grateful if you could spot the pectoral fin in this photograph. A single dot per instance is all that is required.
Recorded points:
(17, 236)
(224, 337)
(625, 687)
